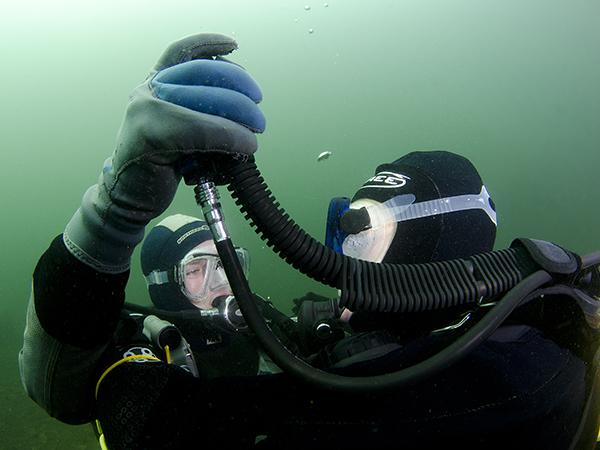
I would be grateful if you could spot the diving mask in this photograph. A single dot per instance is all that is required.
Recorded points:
(199, 273)
(352, 230)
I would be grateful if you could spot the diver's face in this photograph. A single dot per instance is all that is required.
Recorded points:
(197, 277)
(372, 244)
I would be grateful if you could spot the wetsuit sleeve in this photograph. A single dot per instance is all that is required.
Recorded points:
(72, 313)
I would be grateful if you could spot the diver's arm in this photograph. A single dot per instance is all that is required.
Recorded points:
(192, 103)
(72, 313)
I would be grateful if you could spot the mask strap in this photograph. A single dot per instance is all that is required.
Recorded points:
(401, 209)
(157, 277)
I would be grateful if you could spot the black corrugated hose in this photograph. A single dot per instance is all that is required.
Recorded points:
(375, 287)
(372, 286)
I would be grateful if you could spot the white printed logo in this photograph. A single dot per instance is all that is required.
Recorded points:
(192, 231)
(386, 180)
(140, 351)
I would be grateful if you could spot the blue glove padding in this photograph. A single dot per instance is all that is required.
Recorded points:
(193, 103)
(212, 87)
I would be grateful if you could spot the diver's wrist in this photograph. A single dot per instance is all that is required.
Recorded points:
(101, 241)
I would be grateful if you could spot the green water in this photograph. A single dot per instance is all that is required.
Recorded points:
(513, 85)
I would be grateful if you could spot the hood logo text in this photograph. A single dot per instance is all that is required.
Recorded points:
(386, 180)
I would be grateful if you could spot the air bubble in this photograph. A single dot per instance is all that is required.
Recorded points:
(306, 7)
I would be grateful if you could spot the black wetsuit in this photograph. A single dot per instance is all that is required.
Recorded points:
(522, 388)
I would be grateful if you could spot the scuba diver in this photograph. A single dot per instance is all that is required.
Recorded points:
(527, 383)
(77, 297)
(192, 298)
(524, 385)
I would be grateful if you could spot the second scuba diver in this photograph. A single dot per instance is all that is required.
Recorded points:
(189, 291)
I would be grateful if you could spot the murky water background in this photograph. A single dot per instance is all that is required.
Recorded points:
(512, 85)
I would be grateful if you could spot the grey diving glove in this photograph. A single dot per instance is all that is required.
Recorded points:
(193, 102)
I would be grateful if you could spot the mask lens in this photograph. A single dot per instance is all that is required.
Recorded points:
(194, 274)
(358, 245)
(373, 243)
(202, 273)
(217, 280)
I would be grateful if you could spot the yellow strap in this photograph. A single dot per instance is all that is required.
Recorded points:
(118, 363)
(98, 427)
(168, 354)
(102, 442)
(101, 439)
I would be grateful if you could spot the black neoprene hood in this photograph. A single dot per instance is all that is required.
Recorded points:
(430, 175)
